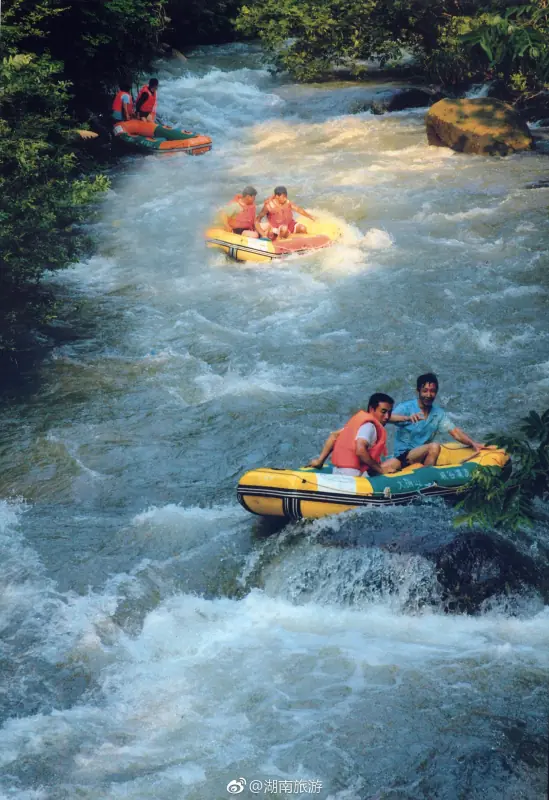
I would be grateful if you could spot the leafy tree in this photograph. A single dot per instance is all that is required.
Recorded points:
(199, 22)
(513, 43)
(453, 40)
(495, 501)
(308, 37)
(97, 41)
(43, 196)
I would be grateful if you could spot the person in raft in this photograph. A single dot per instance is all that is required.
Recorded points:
(414, 443)
(419, 422)
(123, 106)
(280, 218)
(239, 216)
(145, 105)
(358, 447)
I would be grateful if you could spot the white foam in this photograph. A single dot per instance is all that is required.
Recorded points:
(376, 239)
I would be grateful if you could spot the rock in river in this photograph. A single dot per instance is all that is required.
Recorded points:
(478, 125)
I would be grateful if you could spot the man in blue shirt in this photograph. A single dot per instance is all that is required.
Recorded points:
(414, 440)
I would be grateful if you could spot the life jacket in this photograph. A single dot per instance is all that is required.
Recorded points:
(149, 106)
(344, 452)
(278, 215)
(117, 103)
(245, 218)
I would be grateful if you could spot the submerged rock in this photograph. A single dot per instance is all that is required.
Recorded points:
(479, 125)
(471, 567)
(413, 97)
(478, 566)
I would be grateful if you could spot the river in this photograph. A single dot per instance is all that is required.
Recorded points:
(156, 642)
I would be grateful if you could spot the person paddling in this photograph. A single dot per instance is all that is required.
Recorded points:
(280, 218)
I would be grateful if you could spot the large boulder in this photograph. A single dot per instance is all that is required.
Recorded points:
(478, 125)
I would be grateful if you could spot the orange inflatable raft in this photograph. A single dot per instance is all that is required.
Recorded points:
(146, 137)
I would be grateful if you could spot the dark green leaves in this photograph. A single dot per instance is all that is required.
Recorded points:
(494, 501)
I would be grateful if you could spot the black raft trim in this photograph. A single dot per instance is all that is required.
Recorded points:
(298, 495)
(244, 248)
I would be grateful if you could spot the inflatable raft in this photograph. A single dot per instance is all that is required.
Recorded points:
(146, 137)
(320, 234)
(307, 493)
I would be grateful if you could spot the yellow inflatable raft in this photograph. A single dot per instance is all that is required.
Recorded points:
(311, 493)
(320, 234)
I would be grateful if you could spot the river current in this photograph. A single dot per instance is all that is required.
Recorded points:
(156, 642)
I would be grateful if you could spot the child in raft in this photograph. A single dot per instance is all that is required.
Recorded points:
(280, 219)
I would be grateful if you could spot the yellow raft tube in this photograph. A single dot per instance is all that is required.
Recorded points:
(320, 233)
(307, 493)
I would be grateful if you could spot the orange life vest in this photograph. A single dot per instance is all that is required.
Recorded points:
(245, 218)
(344, 452)
(149, 106)
(117, 103)
(277, 214)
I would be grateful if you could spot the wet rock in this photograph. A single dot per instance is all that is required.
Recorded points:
(478, 125)
(471, 567)
(478, 565)
(543, 184)
(414, 97)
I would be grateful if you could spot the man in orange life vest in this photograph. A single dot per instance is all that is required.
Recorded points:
(146, 102)
(122, 106)
(360, 444)
(279, 212)
(239, 216)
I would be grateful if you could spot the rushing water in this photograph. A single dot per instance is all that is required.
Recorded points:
(156, 644)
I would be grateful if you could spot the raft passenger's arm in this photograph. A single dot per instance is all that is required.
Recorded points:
(126, 111)
(224, 218)
(362, 452)
(462, 437)
(396, 418)
(257, 223)
(302, 211)
(326, 450)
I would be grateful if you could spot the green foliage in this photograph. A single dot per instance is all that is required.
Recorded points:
(513, 43)
(199, 22)
(307, 38)
(453, 40)
(43, 197)
(98, 41)
(493, 501)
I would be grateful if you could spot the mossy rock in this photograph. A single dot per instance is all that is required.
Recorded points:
(480, 125)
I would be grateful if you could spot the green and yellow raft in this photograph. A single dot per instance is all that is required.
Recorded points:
(307, 493)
